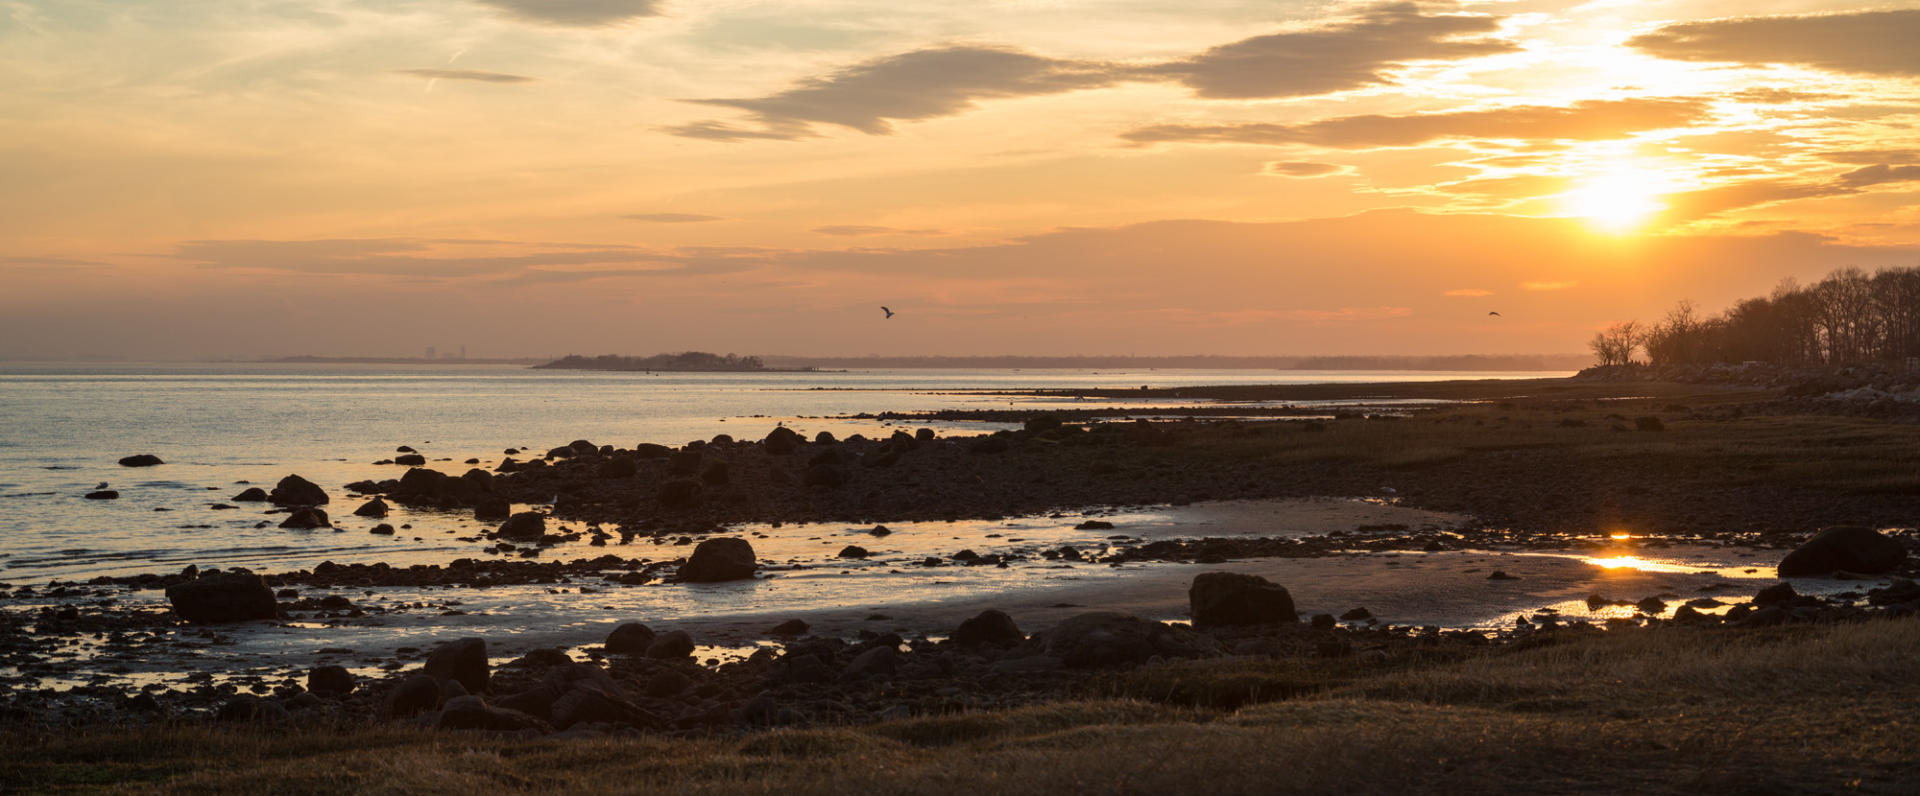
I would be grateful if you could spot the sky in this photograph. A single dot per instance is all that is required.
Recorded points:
(240, 178)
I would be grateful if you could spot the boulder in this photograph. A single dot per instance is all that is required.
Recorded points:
(140, 460)
(223, 597)
(103, 494)
(1232, 598)
(989, 627)
(876, 662)
(473, 713)
(296, 491)
(383, 529)
(306, 518)
(410, 460)
(675, 644)
(791, 627)
(782, 441)
(631, 638)
(492, 509)
(252, 709)
(463, 661)
(252, 494)
(722, 559)
(1103, 639)
(678, 493)
(372, 508)
(1849, 548)
(854, 551)
(619, 467)
(685, 461)
(330, 680)
(715, 473)
(527, 526)
(416, 694)
(592, 702)
(1778, 593)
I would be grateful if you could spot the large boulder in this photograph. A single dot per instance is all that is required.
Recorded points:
(252, 494)
(1232, 598)
(782, 441)
(631, 638)
(463, 661)
(372, 508)
(671, 645)
(306, 518)
(716, 560)
(1104, 639)
(1849, 548)
(473, 713)
(492, 509)
(989, 627)
(140, 460)
(330, 680)
(296, 491)
(416, 694)
(223, 597)
(527, 526)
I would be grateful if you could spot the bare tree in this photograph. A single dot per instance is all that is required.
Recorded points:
(1615, 344)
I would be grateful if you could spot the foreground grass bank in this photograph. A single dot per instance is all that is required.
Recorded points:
(1663, 710)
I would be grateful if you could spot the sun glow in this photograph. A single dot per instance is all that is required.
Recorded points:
(1619, 200)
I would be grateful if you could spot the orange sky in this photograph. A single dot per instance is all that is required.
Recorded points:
(197, 178)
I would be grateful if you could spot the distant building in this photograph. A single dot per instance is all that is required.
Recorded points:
(431, 351)
(463, 351)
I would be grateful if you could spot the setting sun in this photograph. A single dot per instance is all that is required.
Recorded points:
(1617, 201)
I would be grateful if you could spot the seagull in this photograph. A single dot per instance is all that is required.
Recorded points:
(887, 311)
(1495, 314)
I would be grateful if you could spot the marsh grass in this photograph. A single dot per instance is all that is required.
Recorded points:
(1668, 710)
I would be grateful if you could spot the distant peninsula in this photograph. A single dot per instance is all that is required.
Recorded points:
(687, 361)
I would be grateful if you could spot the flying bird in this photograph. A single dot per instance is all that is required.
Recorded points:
(1495, 314)
(887, 311)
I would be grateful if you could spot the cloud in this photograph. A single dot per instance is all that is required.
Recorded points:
(425, 259)
(52, 264)
(856, 230)
(576, 13)
(1873, 42)
(1301, 168)
(1871, 157)
(1467, 292)
(943, 81)
(921, 84)
(671, 218)
(1879, 174)
(1351, 54)
(1779, 96)
(465, 74)
(1584, 121)
(1693, 205)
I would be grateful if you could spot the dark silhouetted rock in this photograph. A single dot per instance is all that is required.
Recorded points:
(296, 491)
(382, 529)
(103, 494)
(678, 493)
(372, 508)
(1652, 606)
(473, 713)
(619, 467)
(223, 597)
(140, 460)
(410, 460)
(305, 518)
(826, 475)
(1324, 622)
(595, 702)
(332, 680)
(527, 526)
(716, 560)
(1042, 423)
(1502, 575)
(1094, 525)
(670, 645)
(463, 661)
(1105, 639)
(415, 695)
(252, 494)
(251, 709)
(1776, 594)
(631, 638)
(853, 551)
(782, 441)
(715, 473)
(1232, 598)
(1357, 615)
(877, 662)
(991, 626)
(1845, 548)
(492, 509)
(791, 627)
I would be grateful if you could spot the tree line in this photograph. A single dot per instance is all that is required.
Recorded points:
(1849, 317)
(684, 361)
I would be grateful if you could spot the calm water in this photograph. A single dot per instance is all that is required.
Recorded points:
(63, 428)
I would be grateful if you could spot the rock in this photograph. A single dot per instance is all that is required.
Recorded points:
(1232, 598)
(791, 627)
(296, 491)
(675, 644)
(492, 509)
(306, 518)
(463, 661)
(619, 467)
(473, 713)
(678, 493)
(631, 638)
(715, 473)
(335, 680)
(382, 529)
(1094, 525)
(1649, 423)
(667, 683)
(1848, 548)
(991, 626)
(853, 551)
(410, 460)
(1778, 593)
(1042, 423)
(1652, 606)
(879, 661)
(826, 475)
(252, 494)
(1324, 622)
(782, 441)
(223, 597)
(414, 695)
(372, 508)
(1687, 613)
(1357, 615)
(592, 702)
(252, 709)
(527, 526)
(649, 450)
(140, 460)
(1502, 575)
(103, 494)
(715, 560)
(1103, 639)
(685, 461)
(879, 530)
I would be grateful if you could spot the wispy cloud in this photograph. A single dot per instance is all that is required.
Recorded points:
(1872, 42)
(465, 74)
(576, 13)
(671, 218)
(1589, 120)
(1300, 168)
(859, 230)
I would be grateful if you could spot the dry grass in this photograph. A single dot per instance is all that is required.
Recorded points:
(1783, 710)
